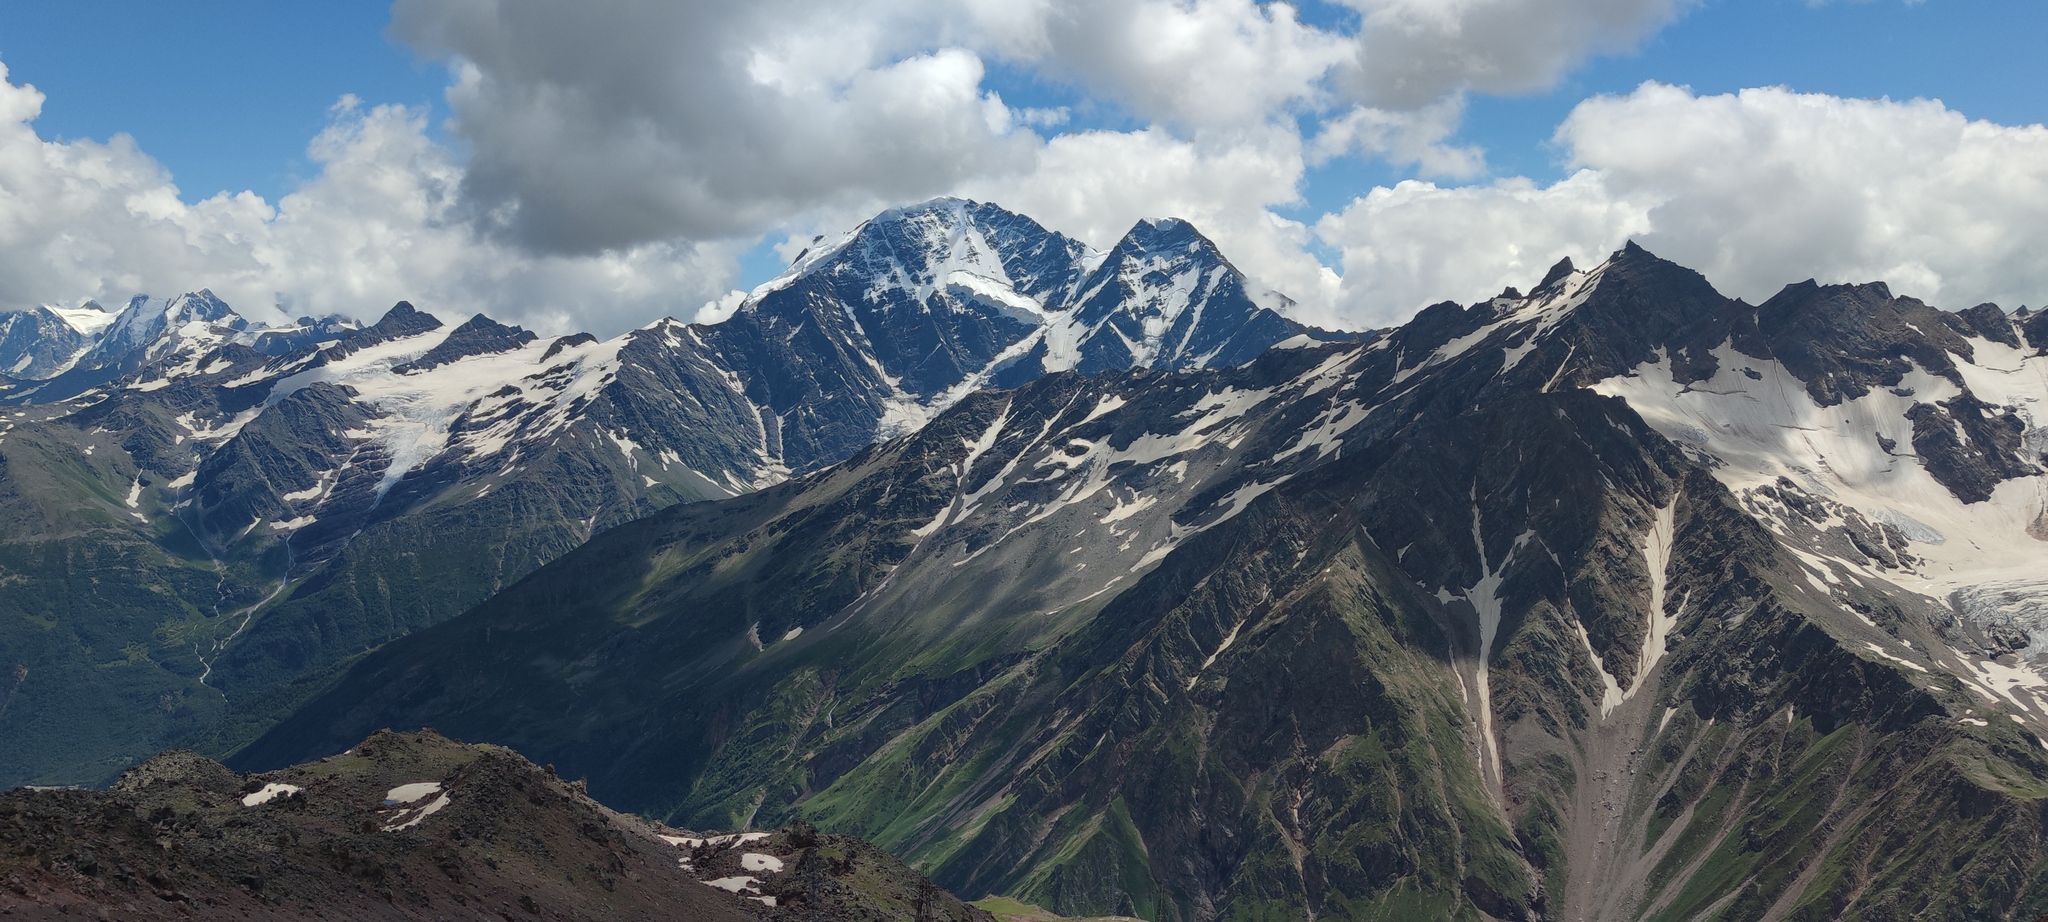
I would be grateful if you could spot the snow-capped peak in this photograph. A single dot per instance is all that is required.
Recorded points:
(921, 249)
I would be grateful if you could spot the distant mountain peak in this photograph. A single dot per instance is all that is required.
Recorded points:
(1164, 233)
(924, 247)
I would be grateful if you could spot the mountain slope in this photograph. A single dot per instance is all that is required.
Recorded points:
(1543, 607)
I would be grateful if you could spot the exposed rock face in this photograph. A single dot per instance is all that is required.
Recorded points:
(412, 826)
(480, 335)
(37, 344)
(1617, 600)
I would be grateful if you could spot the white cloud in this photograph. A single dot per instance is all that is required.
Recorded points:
(1416, 243)
(1411, 53)
(1768, 186)
(1754, 189)
(607, 125)
(79, 219)
(721, 308)
(1197, 64)
(1416, 137)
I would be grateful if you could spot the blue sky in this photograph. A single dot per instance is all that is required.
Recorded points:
(226, 95)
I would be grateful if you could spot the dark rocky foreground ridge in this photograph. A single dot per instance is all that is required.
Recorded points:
(476, 832)
(1617, 600)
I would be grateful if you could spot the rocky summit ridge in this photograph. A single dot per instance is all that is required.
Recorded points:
(1620, 599)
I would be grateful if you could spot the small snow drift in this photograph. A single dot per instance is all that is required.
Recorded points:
(407, 793)
(270, 792)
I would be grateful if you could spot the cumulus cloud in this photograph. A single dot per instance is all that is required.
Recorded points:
(80, 219)
(1411, 53)
(1754, 189)
(603, 126)
(1196, 65)
(1420, 137)
(606, 125)
(1416, 243)
(1767, 186)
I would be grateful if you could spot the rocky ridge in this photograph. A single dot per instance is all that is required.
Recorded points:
(413, 826)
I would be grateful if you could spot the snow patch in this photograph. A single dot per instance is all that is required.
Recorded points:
(87, 320)
(1484, 597)
(270, 792)
(734, 839)
(408, 793)
(1657, 556)
(755, 861)
(1755, 430)
(433, 807)
(1909, 664)
(1611, 695)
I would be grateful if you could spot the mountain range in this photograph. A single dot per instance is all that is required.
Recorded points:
(1085, 579)
(213, 512)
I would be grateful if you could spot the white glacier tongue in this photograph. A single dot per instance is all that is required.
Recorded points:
(1484, 598)
(417, 411)
(90, 319)
(1657, 561)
